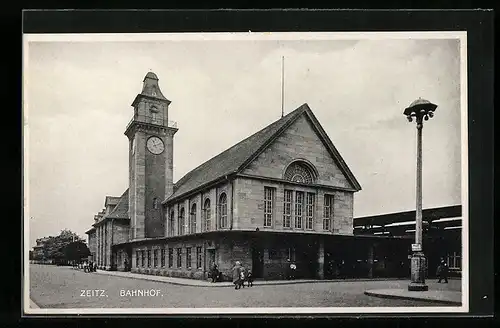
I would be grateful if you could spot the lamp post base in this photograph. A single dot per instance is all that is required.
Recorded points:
(418, 268)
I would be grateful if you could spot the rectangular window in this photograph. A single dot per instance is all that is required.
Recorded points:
(192, 222)
(310, 211)
(188, 257)
(179, 257)
(299, 204)
(143, 258)
(149, 258)
(137, 258)
(171, 220)
(454, 261)
(155, 258)
(287, 209)
(327, 212)
(268, 206)
(198, 257)
(162, 256)
(170, 257)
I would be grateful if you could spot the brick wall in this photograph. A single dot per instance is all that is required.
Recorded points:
(121, 232)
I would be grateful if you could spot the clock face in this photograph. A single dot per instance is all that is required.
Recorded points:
(155, 145)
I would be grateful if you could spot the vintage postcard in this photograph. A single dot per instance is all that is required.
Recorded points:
(222, 173)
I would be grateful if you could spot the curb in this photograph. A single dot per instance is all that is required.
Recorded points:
(411, 298)
(256, 283)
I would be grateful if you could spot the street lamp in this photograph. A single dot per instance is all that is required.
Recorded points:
(419, 110)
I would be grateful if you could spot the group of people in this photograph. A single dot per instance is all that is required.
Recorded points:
(89, 266)
(241, 275)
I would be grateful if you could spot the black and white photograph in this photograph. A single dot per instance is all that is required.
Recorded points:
(233, 173)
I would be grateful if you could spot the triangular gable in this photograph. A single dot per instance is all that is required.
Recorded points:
(323, 137)
(121, 209)
(231, 160)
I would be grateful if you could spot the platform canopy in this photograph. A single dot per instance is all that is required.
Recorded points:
(446, 218)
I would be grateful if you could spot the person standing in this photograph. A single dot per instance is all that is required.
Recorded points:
(125, 264)
(288, 270)
(237, 275)
(442, 272)
(214, 273)
(243, 275)
(293, 270)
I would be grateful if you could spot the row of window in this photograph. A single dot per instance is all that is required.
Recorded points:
(143, 258)
(298, 206)
(299, 209)
(206, 215)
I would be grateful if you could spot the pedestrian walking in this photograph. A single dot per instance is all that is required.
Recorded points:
(214, 273)
(237, 275)
(442, 271)
(125, 264)
(242, 276)
(293, 270)
(250, 278)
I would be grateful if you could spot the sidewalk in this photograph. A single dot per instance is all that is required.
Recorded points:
(204, 283)
(436, 296)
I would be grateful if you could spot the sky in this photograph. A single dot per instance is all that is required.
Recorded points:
(78, 95)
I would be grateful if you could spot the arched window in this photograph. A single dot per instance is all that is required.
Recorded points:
(155, 203)
(192, 221)
(182, 221)
(299, 172)
(223, 211)
(171, 221)
(206, 215)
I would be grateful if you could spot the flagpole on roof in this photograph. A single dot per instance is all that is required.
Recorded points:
(282, 85)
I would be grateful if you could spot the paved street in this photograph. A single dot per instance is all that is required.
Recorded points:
(65, 287)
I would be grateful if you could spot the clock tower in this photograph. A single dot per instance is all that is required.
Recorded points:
(150, 160)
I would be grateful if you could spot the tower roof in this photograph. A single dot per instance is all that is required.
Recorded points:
(150, 75)
(151, 88)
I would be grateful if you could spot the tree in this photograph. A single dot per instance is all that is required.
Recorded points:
(76, 251)
(53, 247)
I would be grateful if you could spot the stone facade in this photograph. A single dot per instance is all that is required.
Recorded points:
(281, 204)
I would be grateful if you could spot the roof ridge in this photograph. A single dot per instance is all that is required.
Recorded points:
(231, 159)
(287, 116)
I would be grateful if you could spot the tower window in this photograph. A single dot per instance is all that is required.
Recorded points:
(155, 203)
(223, 211)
